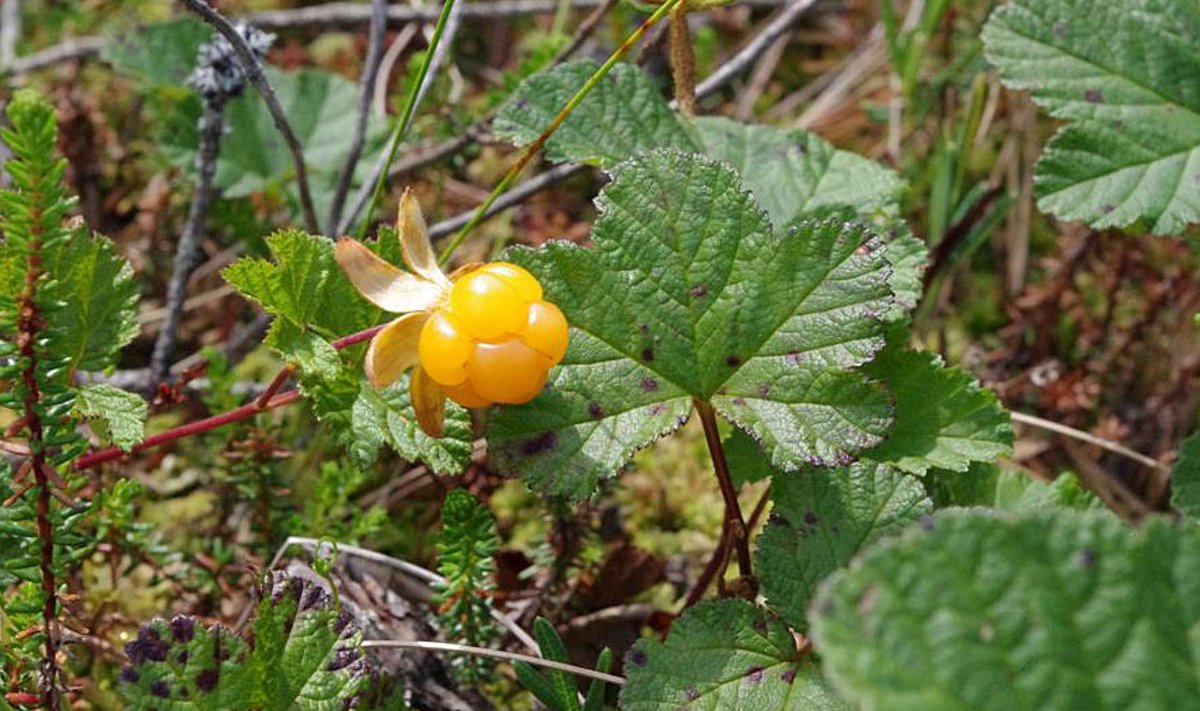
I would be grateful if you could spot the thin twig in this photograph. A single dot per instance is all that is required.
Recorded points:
(716, 563)
(1114, 447)
(249, 410)
(367, 88)
(764, 69)
(494, 654)
(506, 200)
(244, 412)
(740, 62)
(390, 57)
(187, 252)
(255, 75)
(441, 51)
(410, 569)
(585, 30)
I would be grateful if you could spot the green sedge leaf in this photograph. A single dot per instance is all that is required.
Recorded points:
(689, 293)
(725, 654)
(1124, 75)
(821, 519)
(124, 413)
(1049, 611)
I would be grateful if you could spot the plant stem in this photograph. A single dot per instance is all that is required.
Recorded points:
(254, 74)
(494, 654)
(1089, 438)
(536, 145)
(734, 527)
(260, 404)
(683, 60)
(212, 125)
(405, 119)
(29, 323)
(192, 428)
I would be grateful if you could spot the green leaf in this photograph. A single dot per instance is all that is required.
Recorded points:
(312, 353)
(253, 155)
(793, 173)
(725, 654)
(387, 417)
(162, 54)
(1049, 611)
(690, 294)
(944, 418)
(303, 285)
(556, 689)
(1185, 478)
(622, 116)
(304, 656)
(821, 519)
(125, 413)
(909, 258)
(747, 462)
(1007, 490)
(1124, 75)
(99, 296)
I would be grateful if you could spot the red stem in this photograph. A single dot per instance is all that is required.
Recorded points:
(267, 401)
(244, 412)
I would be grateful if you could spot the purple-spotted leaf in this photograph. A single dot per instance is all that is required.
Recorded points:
(1123, 74)
(689, 293)
(821, 519)
(303, 655)
(725, 654)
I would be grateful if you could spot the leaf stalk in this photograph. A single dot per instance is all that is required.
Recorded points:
(734, 527)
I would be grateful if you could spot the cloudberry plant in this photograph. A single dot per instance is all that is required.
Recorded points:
(480, 336)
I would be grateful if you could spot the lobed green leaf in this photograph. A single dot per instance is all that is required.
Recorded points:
(1123, 74)
(124, 412)
(623, 116)
(689, 293)
(821, 519)
(944, 419)
(725, 654)
(1049, 611)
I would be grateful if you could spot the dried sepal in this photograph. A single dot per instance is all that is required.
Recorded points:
(383, 284)
(394, 349)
